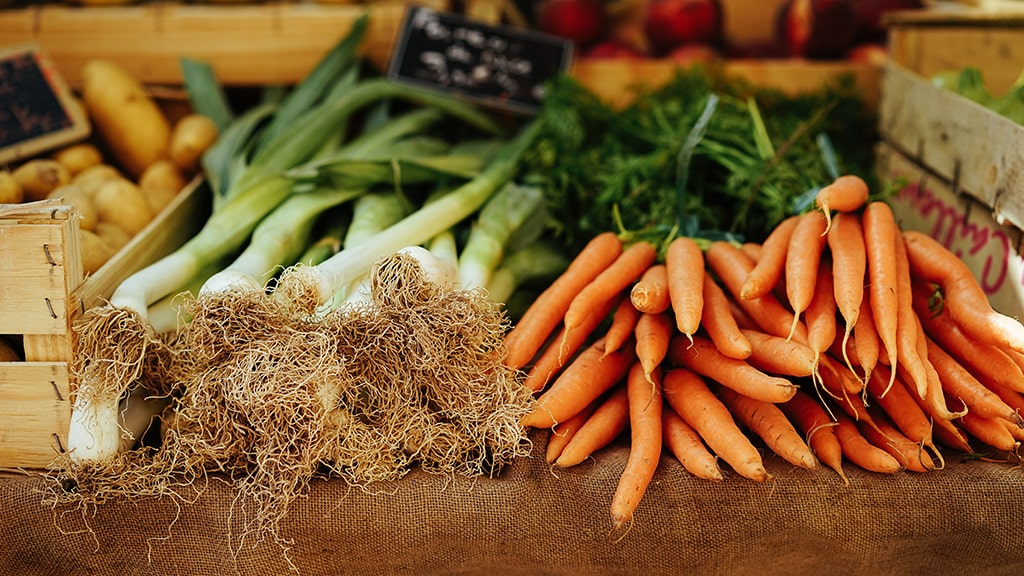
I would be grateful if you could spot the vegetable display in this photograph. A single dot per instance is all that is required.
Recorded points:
(883, 378)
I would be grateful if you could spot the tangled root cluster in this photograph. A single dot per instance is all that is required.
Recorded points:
(271, 399)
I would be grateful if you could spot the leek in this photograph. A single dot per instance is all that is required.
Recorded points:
(505, 213)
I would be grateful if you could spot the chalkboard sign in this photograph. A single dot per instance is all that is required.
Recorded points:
(502, 66)
(37, 112)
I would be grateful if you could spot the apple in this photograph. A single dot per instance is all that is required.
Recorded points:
(817, 29)
(669, 24)
(582, 21)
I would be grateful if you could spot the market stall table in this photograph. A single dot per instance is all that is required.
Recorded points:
(533, 520)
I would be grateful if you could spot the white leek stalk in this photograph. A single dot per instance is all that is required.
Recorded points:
(505, 213)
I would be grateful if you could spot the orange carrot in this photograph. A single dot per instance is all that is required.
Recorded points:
(964, 298)
(624, 319)
(720, 324)
(650, 293)
(601, 428)
(687, 446)
(834, 370)
(563, 432)
(909, 337)
(645, 408)
(943, 427)
(770, 424)
(980, 358)
(704, 358)
(584, 379)
(880, 231)
(837, 382)
(820, 315)
(866, 341)
(690, 397)
(911, 455)
(768, 270)
(553, 357)
(858, 450)
(803, 256)
(814, 421)
(989, 431)
(629, 266)
(653, 334)
(777, 355)
(1011, 397)
(731, 267)
(849, 266)
(547, 310)
(684, 264)
(751, 249)
(845, 194)
(959, 383)
(899, 406)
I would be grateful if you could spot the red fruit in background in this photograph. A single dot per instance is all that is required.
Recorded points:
(612, 49)
(673, 23)
(819, 29)
(582, 21)
(870, 15)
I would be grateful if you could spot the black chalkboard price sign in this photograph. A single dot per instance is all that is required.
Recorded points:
(501, 66)
(37, 111)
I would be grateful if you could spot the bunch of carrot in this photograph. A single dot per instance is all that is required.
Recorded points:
(839, 337)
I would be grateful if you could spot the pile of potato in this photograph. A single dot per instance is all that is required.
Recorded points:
(132, 167)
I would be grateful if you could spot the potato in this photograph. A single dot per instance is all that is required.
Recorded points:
(122, 202)
(7, 351)
(77, 197)
(161, 183)
(78, 157)
(124, 115)
(38, 177)
(191, 137)
(10, 189)
(91, 178)
(113, 235)
(95, 251)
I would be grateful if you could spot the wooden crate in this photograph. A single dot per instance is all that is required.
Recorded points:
(44, 292)
(247, 45)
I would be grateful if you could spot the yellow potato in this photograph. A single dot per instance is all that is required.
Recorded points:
(77, 197)
(113, 235)
(161, 183)
(10, 189)
(191, 137)
(91, 178)
(78, 157)
(95, 251)
(39, 177)
(122, 202)
(125, 116)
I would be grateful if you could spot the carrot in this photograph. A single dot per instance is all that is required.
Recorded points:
(650, 293)
(964, 298)
(684, 264)
(720, 324)
(768, 270)
(630, 265)
(906, 414)
(866, 341)
(841, 377)
(770, 424)
(837, 382)
(645, 408)
(849, 265)
(623, 322)
(989, 431)
(909, 337)
(653, 333)
(935, 398)
(943, 428)
(547, 310)
(1011, 397)
(803, 255)
(980, 358)
(687, 446)
(880, 231)
(584, 379)
(959, 383)
(704, 358)
(552, 358)
(820, 315)
(731, 267)
(845, 194)
(911, 455)
(601, 428)
(752, 249)
(816, 424)
(564, 432)
(777, 355)
(858, 450)
(688, 394)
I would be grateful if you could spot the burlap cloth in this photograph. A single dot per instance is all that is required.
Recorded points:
(533, 521)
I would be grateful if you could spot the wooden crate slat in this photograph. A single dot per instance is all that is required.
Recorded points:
(34, 414)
